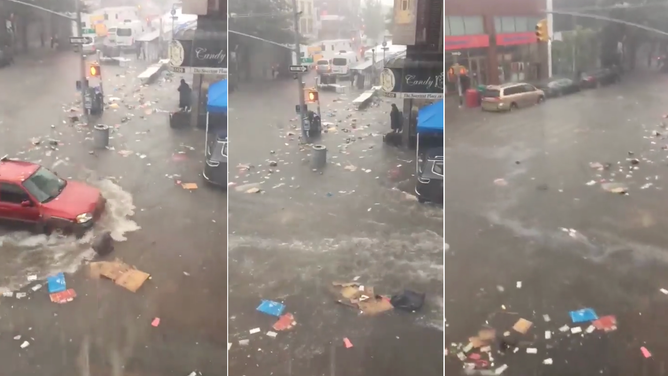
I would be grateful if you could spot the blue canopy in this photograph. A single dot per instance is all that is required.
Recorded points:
(430, 118)
(217, 101)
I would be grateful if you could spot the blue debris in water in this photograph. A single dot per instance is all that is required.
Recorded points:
(583, 315)
(271, 308)
(56, 283)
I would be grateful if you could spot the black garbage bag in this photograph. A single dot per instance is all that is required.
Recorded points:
(408, 300)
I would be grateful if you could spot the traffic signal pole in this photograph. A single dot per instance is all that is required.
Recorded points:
(300, 88)
(84, 84)
(550, 34)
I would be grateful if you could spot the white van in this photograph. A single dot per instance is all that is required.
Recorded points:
(111, 35)
(342, 62)
(128, 32)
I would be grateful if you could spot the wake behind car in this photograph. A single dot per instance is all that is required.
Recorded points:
(508, 97)
(556, 87)
(599, 77)
(32, 195)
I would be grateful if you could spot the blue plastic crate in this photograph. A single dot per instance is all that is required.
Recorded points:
(271, 308)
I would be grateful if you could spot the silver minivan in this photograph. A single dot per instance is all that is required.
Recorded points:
(323, 66)
(508, 97)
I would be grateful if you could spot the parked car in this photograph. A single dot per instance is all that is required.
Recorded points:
(32, 195)
(556, 87)
(429, 185)
(92, 47)
(599, 77)
(508, 97)
(215, 167)
(323, 66)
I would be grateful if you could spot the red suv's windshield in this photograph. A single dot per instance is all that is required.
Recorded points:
(44, 185)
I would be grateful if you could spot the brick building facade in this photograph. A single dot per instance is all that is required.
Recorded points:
(494, 41)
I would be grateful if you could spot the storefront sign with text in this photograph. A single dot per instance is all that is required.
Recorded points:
(514, 39)
(199, 54)
(414, 82)
(466, 41)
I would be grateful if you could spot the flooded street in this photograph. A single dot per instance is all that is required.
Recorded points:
(305, 230)
(106, 330)
(535, 231)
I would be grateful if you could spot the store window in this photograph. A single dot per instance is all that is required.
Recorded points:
(455, 26)
(507, 24)
(473, 25)
(515, 24)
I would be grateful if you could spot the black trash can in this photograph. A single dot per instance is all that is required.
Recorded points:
(179, 120)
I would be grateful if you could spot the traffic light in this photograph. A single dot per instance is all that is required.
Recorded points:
(541, 31)
(94, 70)
(311, 95)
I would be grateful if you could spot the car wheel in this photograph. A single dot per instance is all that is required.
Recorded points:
(541, 99)
(43, 228)
(421, 200)
(513, 106)
(598, 84)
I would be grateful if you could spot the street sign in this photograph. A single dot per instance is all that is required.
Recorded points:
(298, 68)
(81, 40)
(307, 60)
(173, 12)
(88, 31)
(384, 44)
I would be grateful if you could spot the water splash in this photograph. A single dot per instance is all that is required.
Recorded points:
(24, 253)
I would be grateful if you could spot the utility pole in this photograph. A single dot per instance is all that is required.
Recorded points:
(458, 74)
(575, 34)
(373, 66)
(550, 34)
(84, 84)
(300, 89)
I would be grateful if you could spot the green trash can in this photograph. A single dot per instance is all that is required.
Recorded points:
(481, 89)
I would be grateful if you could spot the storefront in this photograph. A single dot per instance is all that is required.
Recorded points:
(517, 57)
(469, 51)
(202, 53)
(417, 83)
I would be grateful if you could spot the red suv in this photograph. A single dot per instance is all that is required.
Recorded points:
(31, 194)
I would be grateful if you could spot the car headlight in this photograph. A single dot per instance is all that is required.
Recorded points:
(83, 218)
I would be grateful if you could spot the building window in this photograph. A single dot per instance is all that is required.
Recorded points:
(515, 24)
(523, 24)
(463, 26)
(473, 25)
(309, 26)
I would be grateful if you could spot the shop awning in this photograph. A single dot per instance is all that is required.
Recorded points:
(430, 118)
(217, 100)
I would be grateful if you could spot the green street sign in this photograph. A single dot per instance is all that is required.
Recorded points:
(87, 31)
(307, 60)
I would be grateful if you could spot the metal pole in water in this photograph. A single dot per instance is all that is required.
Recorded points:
(298, 54)
(84, 84)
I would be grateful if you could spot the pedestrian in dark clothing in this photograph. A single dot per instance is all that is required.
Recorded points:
(138, 47)
(185, 96)
(395, 119)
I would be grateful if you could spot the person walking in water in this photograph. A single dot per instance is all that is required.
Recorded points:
(395, 119)
(185, 96)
